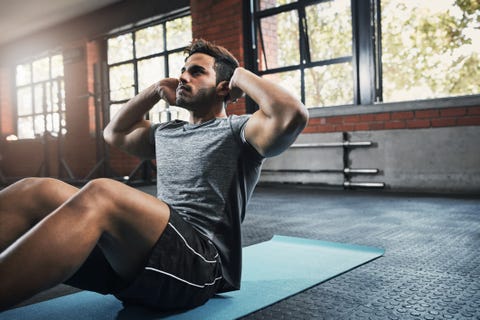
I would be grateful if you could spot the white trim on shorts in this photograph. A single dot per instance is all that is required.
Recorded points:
(196, 253)
(183, 280)
(191, 249)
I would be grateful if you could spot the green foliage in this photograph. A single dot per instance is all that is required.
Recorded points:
(429, 52)
(330, 33)
(430, 49)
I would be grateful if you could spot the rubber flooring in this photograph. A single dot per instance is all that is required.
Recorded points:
(431, 268)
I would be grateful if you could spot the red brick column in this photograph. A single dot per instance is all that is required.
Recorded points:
(221, 22)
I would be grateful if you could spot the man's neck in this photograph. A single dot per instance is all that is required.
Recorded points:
(196, 118)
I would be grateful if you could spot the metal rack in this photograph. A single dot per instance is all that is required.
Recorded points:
(347, 172)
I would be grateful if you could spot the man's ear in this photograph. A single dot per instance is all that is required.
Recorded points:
(223, 89)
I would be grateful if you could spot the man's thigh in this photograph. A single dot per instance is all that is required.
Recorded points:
(96, 274)
(133, 221)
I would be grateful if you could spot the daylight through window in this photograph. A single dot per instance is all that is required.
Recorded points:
(40, 97)
(144, 56)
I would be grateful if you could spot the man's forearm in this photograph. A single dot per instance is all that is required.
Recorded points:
(272, 99)
(134, 110)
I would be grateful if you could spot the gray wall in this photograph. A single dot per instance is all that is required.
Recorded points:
(445, 160)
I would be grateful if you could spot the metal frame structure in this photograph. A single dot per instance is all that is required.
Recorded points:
(347, 172)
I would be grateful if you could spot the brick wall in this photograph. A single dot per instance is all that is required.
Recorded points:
(6, 103)
(420, 119)
(220, 21)
(79, 151)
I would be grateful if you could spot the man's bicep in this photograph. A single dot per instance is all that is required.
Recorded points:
(263, 134)
(139, 142)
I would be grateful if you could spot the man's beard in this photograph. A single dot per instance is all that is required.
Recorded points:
(203, 98)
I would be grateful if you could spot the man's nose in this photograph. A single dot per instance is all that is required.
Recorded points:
(184, 78)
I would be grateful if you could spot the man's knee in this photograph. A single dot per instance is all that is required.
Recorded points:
(30, 199)
(100, 189)
(96, 197)
(30, 184)
(30, 192)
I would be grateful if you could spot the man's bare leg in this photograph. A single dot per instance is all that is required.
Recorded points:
(125, 222)
(26, 202)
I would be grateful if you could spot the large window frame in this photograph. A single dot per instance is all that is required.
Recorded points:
(45, 95)
(366, 60)
(164, 53)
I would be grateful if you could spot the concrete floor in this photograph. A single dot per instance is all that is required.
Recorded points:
(431, 269)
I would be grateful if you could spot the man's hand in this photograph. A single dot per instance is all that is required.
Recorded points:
(235, 92)
(166, 90)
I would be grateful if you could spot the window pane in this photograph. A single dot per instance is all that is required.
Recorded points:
(57, 66)
(53, 103)
(25, 128)
(150, 71)
(430, 49)
(23, 75)
(149, 41)
(329, 85)
(41, 70)
(179, 32)
(120, 48)
(24, 101)
(53, 122)
(64, 123)
(39, 122)
(114, 108)
(266, 4)
(38, 98)
(121, 82)
(280, 40)
(289, 80)
(176, 62)
(329, 29)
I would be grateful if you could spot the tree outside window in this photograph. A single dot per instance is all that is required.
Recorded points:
(307, 48)
(430, 49)
(418, 49)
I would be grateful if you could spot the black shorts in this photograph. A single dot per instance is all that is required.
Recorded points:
(183, 271)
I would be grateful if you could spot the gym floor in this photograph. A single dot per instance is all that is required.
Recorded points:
(431, 268)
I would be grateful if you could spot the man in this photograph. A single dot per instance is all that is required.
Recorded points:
(170, 252)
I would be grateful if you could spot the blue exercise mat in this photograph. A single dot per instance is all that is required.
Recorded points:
(272, 271)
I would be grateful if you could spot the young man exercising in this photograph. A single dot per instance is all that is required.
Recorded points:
(168, 252)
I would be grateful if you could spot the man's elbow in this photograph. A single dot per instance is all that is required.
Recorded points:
(110, 137)
(299, 119)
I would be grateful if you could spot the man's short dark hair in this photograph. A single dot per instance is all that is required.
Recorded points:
(225, 62)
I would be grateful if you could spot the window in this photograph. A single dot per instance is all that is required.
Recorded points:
(430, 49)
(144, 56)
(40, 96)
(291, 49)
(343, 52)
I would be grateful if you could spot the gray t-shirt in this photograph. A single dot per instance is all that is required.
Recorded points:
(207, 173)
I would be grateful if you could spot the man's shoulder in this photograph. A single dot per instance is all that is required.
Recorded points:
(238, 121)
(239, 117)
(169, 124)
